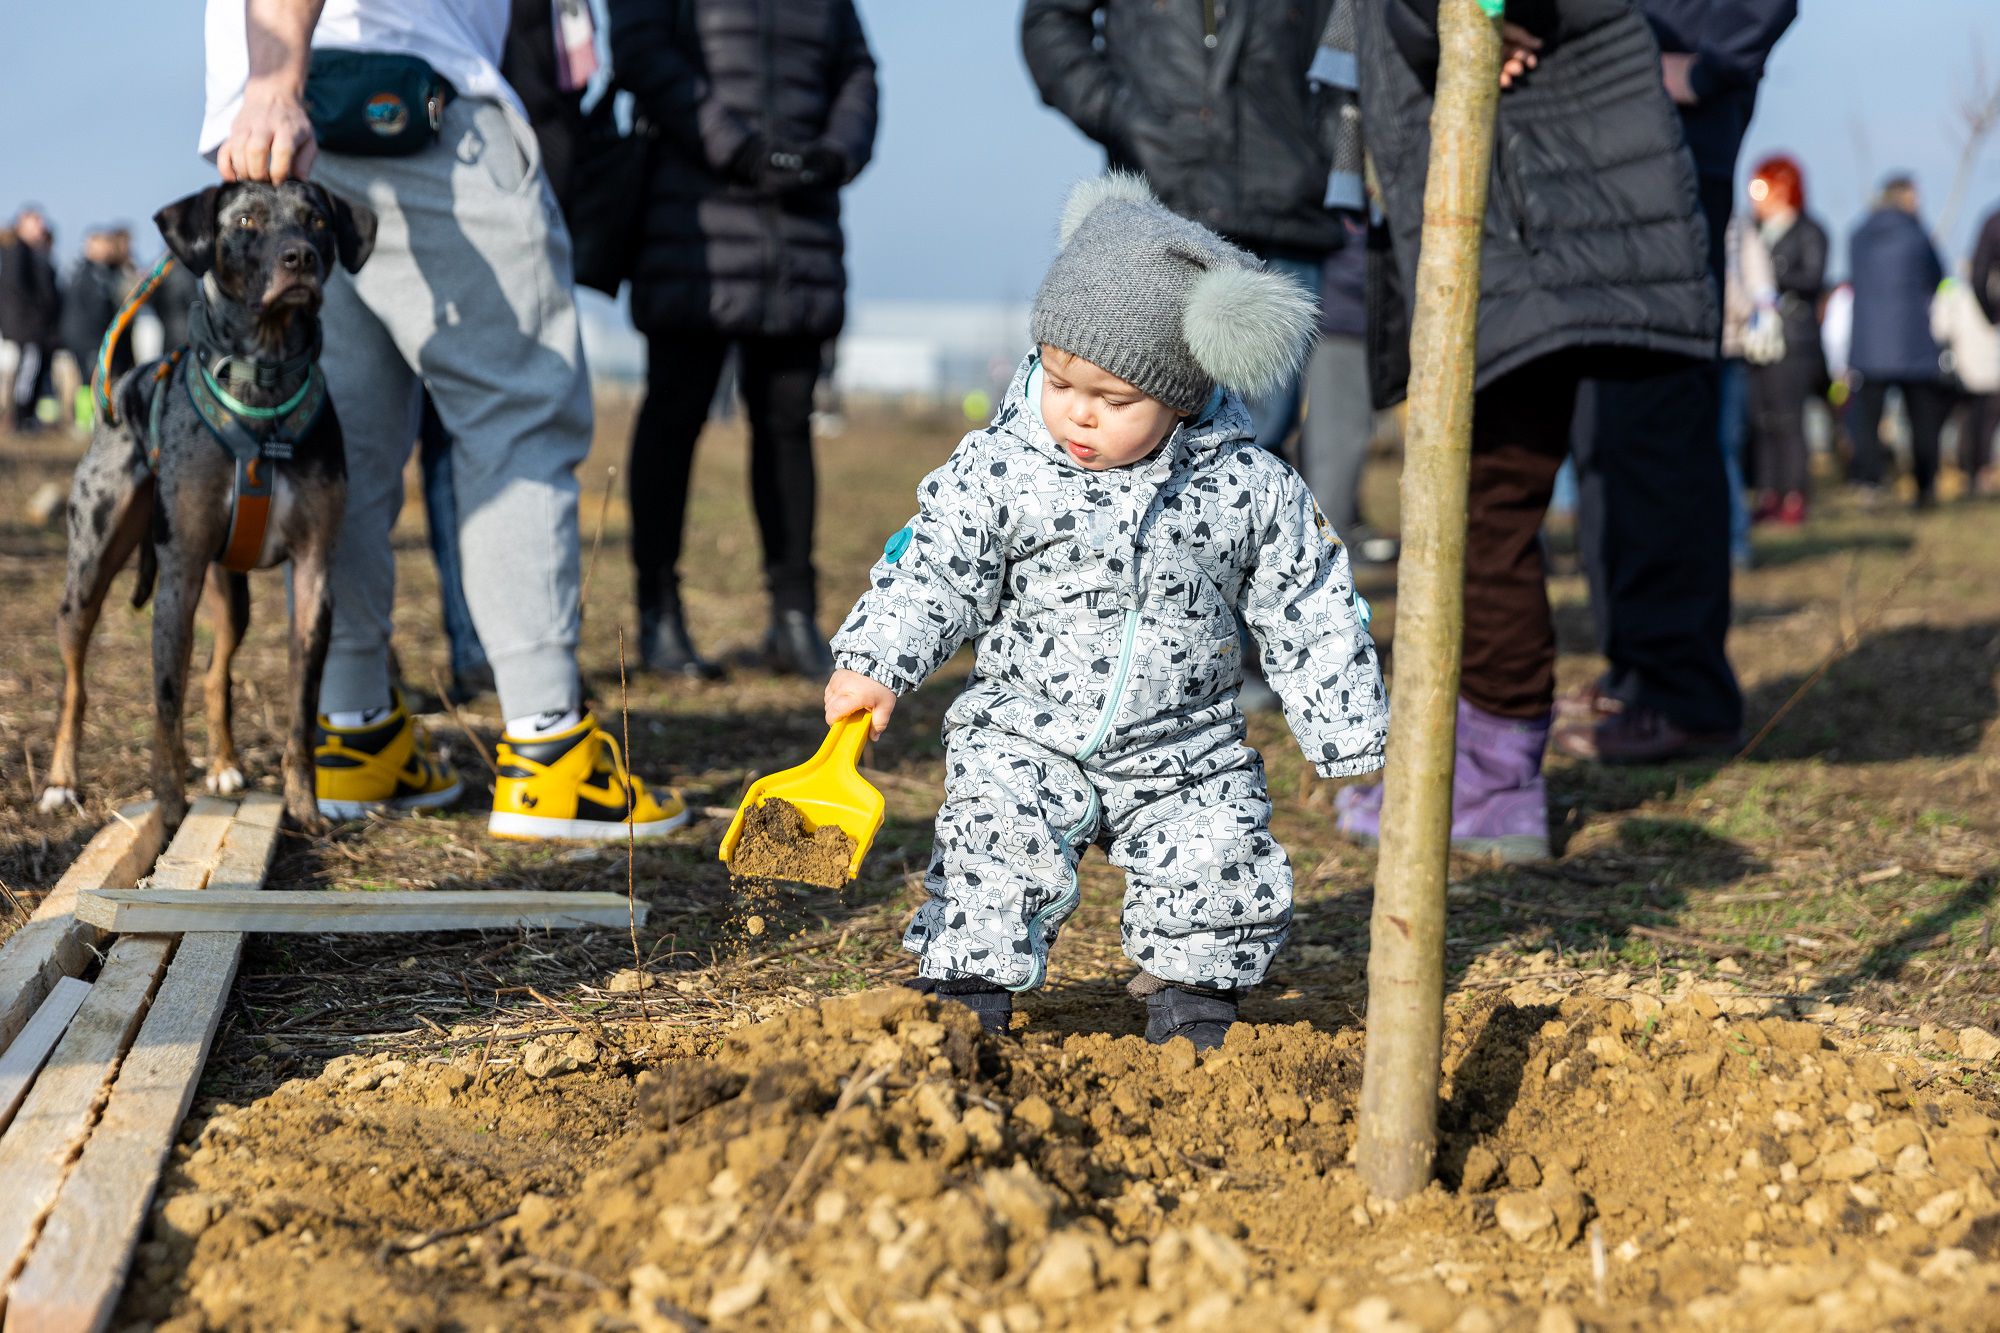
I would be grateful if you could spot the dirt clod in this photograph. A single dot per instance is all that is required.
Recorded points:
(1524, 1216)
(776, 844)
(877, 1154)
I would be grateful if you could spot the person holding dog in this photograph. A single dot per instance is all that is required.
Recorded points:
(401, 103)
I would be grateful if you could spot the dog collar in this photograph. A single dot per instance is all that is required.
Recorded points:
(247, 432)
(241, 374)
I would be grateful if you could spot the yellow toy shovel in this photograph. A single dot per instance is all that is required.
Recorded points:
(827, 789)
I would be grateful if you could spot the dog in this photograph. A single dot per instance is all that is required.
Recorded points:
(225, 454)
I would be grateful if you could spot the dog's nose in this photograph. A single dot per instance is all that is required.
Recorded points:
(299, 258)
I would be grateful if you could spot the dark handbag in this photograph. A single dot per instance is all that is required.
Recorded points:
(374, 103)
(607, 199)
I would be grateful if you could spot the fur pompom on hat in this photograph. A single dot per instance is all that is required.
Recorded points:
(1166, 304)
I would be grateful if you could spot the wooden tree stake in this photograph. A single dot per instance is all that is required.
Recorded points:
(1398, 1124)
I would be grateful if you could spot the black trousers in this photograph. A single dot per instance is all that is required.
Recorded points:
(1927, 404)
(1653, 520)
(33, 381)
(1779, 461)
(1976, 430)
(778, 376)
(1653, 528)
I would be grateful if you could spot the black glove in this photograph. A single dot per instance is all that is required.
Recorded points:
(747, 165)
(768, 166)
(825, 168)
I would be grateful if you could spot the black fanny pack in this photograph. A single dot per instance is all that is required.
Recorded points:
(374, 103)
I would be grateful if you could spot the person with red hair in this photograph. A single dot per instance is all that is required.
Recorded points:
(1779, 388)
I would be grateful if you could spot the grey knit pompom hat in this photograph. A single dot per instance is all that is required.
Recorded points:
(1164, 303)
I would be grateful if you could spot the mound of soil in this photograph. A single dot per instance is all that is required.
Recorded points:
(875, 1161)
(776, 844)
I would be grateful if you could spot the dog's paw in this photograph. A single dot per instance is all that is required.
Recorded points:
(57, 798)
(308, 820)
(225, 781)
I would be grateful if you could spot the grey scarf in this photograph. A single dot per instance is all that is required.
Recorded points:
(1334, 78)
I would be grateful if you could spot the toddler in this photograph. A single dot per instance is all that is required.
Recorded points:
(1097, 542)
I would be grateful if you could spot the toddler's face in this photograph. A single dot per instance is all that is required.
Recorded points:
(1100, 420)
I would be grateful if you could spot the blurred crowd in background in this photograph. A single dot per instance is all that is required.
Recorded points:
(697, 150)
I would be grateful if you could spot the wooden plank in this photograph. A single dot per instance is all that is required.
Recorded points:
(54, 943)
(316, 912)
(37, 1149)
(190, 858)
(31, 1046)
(73, 1278)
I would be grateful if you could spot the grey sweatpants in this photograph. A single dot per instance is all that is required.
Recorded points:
(1208, 896)
(467, 293)
(1340, 422)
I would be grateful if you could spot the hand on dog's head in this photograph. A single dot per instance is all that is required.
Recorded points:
(267, 245)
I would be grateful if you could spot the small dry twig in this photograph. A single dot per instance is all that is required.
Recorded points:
(437, 680)
(857, 1087)
(596, 544)
(425, 1241)
(631, 803)
(1846, 645)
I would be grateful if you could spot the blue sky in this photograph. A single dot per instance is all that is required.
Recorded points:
(100, 101)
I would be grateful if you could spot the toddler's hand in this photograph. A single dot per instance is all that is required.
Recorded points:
(850, 692)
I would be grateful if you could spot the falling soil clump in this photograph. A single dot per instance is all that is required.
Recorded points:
(777, 844)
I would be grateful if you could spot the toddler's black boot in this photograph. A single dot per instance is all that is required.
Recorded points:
(994, 1004)
(1200, 1014)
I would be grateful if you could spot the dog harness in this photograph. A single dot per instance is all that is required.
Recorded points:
(256, 438)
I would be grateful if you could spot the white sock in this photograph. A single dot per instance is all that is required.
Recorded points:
(355, 721)
(536, 726)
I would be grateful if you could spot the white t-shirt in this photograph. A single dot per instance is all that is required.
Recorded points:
(462, 40)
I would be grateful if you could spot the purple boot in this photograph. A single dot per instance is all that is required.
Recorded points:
(1499, 804)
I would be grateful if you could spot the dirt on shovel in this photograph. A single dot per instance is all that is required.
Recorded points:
(776, 845)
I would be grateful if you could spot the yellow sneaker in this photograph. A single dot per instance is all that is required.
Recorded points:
(574, 784)
(387, 766)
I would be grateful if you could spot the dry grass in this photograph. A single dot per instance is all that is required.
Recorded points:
(1851, 861)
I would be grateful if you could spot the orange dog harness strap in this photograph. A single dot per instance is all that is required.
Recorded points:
(249, 514)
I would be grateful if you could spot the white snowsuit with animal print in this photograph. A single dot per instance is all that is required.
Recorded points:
(1102, 704)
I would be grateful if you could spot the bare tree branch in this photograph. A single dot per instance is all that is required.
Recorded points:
(1977, 116)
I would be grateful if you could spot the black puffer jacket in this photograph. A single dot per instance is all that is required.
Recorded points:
(1594, 234)
(729, 245)
(1798, 267)
(90, 303)
(30, 303)
(1212, 111)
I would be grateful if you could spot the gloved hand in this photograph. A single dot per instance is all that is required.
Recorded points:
(749, 160)
(825, 168)
(1764, 336)
(766, 165)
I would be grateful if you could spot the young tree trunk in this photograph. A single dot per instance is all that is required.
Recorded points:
(1398, 1124)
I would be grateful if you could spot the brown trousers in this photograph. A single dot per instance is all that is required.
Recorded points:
(1520, 436)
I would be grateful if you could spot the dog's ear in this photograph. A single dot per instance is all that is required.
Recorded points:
(353, 229)
(188, 227)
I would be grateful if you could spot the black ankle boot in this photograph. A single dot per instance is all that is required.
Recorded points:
(1198, 1013)
(795, 644)
(666, 650)
(993, 1004)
